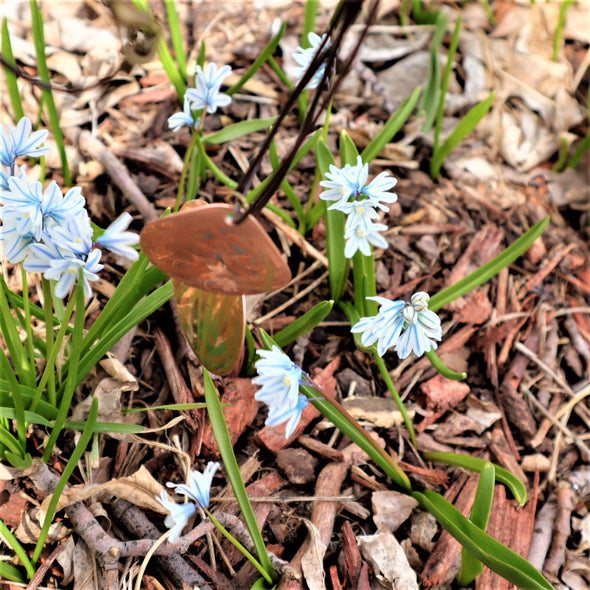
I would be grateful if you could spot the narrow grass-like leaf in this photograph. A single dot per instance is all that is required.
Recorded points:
(11, 80)
(219, 426)
(17, 399)
(580, 151)
(338, 265)
(562, 155)
(287, 188)
(176, 37)
(393, 125)
(445, 82)
(471, 567)
(558, 36)
(68, 470)
(54, 347)
(309, 18)
(265, 55)
(504, 476)
(307, 322)
(71, 381)
(488, 270)
(465, 126)
(107, 427)
(9, 571)
(39, 42)
(443, 369)
(348, 151)
(139, 313)
(175, 76)
(239, 547)
(429, 102)
(10, 336)
(174, 407)
(492, 553)
(231, 132)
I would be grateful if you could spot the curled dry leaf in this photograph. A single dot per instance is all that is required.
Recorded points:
(140, 489)
(387, 558)
(391, 509)
(312, 562)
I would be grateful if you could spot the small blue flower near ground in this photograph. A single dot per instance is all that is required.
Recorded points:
(206, 94)
(279, 379)
(360, 201)
(304, 57)
(199, 487)
(407, 327)
(20, 141)
(185, 117)
(119, 241)
(178, 517)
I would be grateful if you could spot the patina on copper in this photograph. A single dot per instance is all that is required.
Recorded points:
(203, 248)
(214, 325)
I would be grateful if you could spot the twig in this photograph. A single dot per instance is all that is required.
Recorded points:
(94, 148)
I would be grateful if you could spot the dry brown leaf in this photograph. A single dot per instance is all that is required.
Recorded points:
(391, 509)
(380, 411)
(140, 489)
(387, 558)
(312, 562)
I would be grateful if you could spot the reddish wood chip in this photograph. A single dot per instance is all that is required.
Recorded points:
(442, 393)
(240, 412)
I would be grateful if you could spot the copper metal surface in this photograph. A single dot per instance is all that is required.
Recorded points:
(203, 248)
(214, 325)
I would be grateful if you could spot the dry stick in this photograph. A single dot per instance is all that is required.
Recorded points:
(93, 147)
(542, 533)
(579, 442)
(323, 514)
(136, 522)
(180, 390)
(110, 550)
(44, 567)
(566, 500)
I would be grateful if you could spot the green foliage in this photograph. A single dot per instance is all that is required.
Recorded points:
(215, 411)
(558, 36)
(471, 567)
(65, 476)
(39, 41)
(488, 270)
(11, 81)
(306, 323)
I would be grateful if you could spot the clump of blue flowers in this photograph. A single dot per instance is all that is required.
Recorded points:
(279, 379)
(198, 491)
(48, 231)
(305, 56)
(205, 97)
(407, 327)
(361, 202)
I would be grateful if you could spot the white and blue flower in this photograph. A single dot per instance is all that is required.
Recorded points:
(304, 57)
(21, 141)
(178, 517)
(184, 117)
(119, 241)
(407, 327)
(206, 94)
(199, 486)
(360, 237)
(279, 379)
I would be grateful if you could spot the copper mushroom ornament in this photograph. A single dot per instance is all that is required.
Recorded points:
(213, 263)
